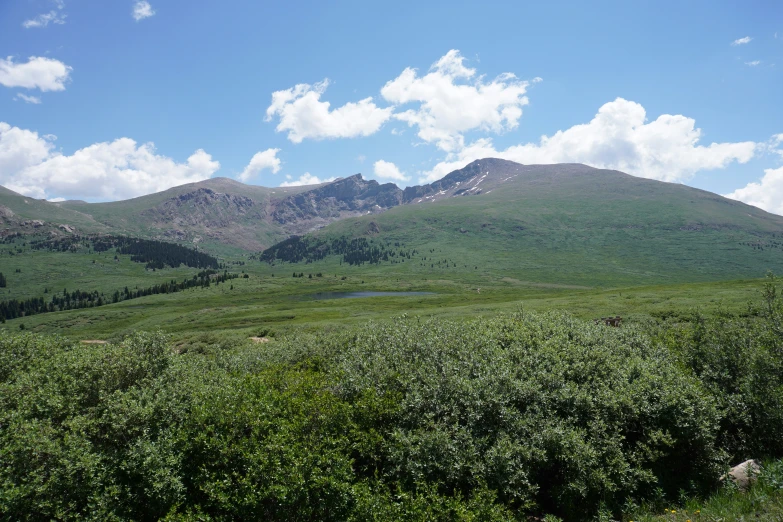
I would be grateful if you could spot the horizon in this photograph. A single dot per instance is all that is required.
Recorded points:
(272, 96)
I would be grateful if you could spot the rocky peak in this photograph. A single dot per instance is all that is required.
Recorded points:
(351, 196)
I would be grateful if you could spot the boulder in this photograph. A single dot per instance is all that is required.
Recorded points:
(744, 474)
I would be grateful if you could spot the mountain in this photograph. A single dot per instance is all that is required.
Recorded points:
(222, 211)
(530, 222)
(574, 224)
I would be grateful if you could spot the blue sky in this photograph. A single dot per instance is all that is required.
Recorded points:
(108, 100)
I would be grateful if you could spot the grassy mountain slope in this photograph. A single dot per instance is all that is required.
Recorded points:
(18, 211)
(573, 224)
(214, 212)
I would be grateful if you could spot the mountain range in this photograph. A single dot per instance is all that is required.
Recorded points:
(516, 214)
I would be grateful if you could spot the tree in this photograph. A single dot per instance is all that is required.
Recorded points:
(3, 281)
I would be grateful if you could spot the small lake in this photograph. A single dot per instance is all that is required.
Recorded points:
(354, 295)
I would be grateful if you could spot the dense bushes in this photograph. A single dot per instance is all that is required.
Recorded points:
(485, 420)
(740, 361)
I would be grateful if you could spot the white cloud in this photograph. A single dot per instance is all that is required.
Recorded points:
(753, 63)
(42, 20)
(53, 16)
(303, 115)
(618, 137)
(261, 160)
(388, 170)
(305, 179)
(28, 99)
(742, 41)
(106, 171)
(41, 73)
(19, 149)
(767, 193)
(141, 10)
(452, 100)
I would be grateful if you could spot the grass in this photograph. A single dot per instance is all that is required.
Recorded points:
(763, 501)
(272, 299)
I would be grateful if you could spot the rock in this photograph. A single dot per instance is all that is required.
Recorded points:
(373, 228)
(743, 475)
(35, 223)
(68, 228)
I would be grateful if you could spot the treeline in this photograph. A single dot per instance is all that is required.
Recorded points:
(156, 254)
(78, 299)
(354, 251)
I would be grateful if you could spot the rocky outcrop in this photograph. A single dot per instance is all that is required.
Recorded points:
(347, 197)
(463, 182)
(205, 208)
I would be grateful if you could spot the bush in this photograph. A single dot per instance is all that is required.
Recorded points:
(492, 419)
(551, 413)
(740, 361)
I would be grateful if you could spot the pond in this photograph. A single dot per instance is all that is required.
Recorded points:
(354, 295)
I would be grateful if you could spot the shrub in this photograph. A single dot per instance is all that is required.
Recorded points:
(740, 361)
(552, 413)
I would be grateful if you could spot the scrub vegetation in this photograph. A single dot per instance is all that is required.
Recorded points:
(497, 418)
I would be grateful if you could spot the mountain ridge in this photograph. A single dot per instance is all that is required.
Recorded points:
(224, 213)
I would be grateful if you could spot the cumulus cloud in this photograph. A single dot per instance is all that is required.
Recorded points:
(303, 115)
(28, 99)
(388, 170)
(742, 41)
(41, 73)
(261, 160)
(753, 63)
(451, 100)
(141, 10)
(305, 179)
(30, 165)
(618, 137)
(767, 193)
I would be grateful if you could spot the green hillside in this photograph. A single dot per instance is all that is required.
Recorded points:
(572, 224)
(15, 209)
(216, 215)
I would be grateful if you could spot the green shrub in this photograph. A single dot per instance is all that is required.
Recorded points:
(740, 361)
(550, 412)
(492, 419)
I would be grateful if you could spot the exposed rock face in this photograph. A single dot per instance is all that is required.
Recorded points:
(352, 196)
(6, 212)
(205, 208)
(462, 182)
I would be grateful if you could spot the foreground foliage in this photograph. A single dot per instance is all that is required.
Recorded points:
(494, 419)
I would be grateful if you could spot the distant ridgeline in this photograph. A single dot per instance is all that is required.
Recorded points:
(76, 299)
(356, 251)
(156, 254)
